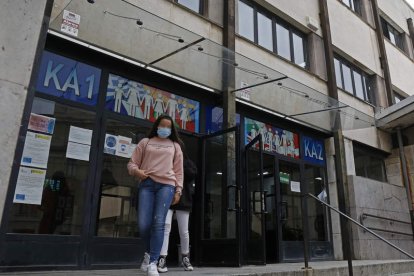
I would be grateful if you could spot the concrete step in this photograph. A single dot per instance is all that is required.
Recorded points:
(329, 268)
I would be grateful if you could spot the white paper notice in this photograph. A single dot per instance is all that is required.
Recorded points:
(295, 186)
(70, 23)
(78, 151)
(123, 146)
(80, 135)
(29, 186)
(36, 150)
(110, 144)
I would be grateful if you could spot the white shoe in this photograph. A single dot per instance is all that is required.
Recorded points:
(152, 269)
(186, 264)
(145, 262)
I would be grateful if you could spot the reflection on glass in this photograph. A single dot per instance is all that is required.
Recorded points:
(291, 213)
(246, 21)
(117, 215)
(298, 50)
(283, 44)
(219, 223)
(338, 74)
(317, 214)
(191, 4)
(264, 25)
(359, 89)
(61, 209)
(347, 78)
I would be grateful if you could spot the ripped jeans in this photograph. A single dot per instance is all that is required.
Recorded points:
(154, 201)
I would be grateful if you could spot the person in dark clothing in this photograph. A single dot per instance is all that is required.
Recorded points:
(182, 212)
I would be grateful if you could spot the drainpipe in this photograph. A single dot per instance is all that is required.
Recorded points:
(340, 160)
(383, 53)
(411, 29)
(405, 177)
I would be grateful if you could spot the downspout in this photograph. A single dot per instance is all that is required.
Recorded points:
(383, 53)
(406, 179)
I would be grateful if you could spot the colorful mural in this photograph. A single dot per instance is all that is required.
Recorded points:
(275, 139)
(135, 99)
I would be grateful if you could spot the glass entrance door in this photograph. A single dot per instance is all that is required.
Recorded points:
(291, 226)
(255, 203)
(218, 209)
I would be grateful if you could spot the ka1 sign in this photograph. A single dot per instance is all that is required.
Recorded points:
(69, 79)
(314, 150)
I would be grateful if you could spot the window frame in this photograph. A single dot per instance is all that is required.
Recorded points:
(388, 29)
(371, 153)
(276, 20)
(353, 5)
(364, 77)
(397, 96)
(202, 7)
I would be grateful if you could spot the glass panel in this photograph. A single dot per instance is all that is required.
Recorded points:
(392, 37)
(220, 172)
(271, 208)
(346, 2)
(338, 74)
(346, 71)
(283, 42)
(298, 50)
(317, 214)
(376, 169)
(246, 21)
(191, 4)
(117, 216)
(60, 210)
(256, 200)
(264, 25)
(359, 88)
(291, 212)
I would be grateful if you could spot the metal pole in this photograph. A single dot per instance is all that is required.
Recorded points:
(360, 225)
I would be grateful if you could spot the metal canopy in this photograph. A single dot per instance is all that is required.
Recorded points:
(120, 27)
(399, 115)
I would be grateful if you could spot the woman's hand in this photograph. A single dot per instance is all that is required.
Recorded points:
(176, 198)
(141, 174)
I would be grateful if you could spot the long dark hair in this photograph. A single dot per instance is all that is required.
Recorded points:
(175, 137)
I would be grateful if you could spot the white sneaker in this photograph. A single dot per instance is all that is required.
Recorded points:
(162, 264)
(145, 262)
(186, 264)
(152, 269)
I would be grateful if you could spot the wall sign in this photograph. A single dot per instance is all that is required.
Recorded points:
(69, 79)
(138, 100)
(274, 139)
(314, 150)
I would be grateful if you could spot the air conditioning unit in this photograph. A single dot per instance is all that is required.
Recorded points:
(312, 23)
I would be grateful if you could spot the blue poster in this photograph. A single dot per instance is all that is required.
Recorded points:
(142, 101)
(314, 150)
(69, 79)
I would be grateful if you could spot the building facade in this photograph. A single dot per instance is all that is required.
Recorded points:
(274, 100)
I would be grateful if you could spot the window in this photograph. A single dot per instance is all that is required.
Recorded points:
(272, 33)
(246, 26)
(369, 163)
(194, 5)
(354, 5)
(394, 36)
(264, 31)
(352, 79)
(397, 97)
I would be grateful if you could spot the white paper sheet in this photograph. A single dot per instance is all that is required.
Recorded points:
(295, 186)
(36, 150)
(78, 151)
(80, 135)
(29, 186)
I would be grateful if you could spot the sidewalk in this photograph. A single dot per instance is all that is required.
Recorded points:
(330, 268)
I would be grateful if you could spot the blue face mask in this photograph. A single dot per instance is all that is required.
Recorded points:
(163, 132)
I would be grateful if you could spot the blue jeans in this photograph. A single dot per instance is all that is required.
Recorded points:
(154, 201)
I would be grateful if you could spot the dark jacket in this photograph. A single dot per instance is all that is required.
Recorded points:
(186, 200)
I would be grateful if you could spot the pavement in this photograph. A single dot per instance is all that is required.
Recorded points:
(326, 268)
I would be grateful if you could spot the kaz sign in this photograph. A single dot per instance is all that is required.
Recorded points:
(69, 79)
(314, 150)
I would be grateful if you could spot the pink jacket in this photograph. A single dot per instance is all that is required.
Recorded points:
(161, 159)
